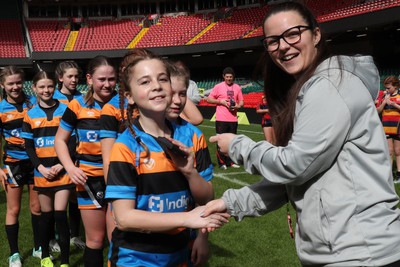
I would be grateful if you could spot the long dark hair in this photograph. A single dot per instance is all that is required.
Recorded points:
(281, 89)
(62, 68)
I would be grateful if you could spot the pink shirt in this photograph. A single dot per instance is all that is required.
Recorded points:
(222, 91)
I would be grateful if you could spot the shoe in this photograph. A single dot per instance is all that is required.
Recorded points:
(54, 246)
(223, 167)
(38, 253)
(46, 262)
(64, 265)
(397, 181)
(15, 260)
(77, 241)
(235, 166)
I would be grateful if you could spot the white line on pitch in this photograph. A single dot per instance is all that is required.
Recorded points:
(235, 181)
(244, 131)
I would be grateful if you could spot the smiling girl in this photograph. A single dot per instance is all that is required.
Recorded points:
(17, 168)
(51, 181)
(153, 192)
(83, 115)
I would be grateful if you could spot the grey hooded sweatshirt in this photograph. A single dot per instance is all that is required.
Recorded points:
(335, 170)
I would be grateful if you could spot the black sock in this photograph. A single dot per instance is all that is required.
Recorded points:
(52, 228)
(35, 228)
(74, 218)
(397, 175)
(45, 225)
(12, 236)
(93, 257)
(63, 234)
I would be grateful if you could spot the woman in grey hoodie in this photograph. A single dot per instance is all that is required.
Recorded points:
(330, 158)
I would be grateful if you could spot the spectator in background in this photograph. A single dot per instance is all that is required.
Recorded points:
(390, 110)
(228, 97)
(266, 123)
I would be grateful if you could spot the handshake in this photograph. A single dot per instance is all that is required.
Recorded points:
(209, 217)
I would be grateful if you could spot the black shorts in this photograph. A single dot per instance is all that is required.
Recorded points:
(21, 173)
(266, 123)
(393, 136)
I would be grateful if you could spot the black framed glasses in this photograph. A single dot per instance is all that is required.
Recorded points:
(291, 36)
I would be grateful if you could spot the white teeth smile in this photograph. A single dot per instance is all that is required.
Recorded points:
(288, 57)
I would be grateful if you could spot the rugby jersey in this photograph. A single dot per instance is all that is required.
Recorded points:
(111, 118)
(157, 186)
(39, 129)
(11, 117)
(265, 116)
(84, 119)
(391, 116)
(65, 99)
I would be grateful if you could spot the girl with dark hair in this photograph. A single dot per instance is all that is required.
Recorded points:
(68, 73)
(51, 181)
(82, 116)
(17, 168)
(330, 159)
(153, 191)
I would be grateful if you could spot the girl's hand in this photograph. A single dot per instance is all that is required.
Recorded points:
(56, 169)
(47, 173)
(184, 164)
(214, 207)
(200, 250)
(77, 176)
(3, 178)
(195, 219)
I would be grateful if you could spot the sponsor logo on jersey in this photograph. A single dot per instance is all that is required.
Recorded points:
(91, 136)
(159, 204)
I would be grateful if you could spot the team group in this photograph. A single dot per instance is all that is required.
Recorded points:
(63, 146)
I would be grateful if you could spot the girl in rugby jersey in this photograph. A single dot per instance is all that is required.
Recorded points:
(51, 181)
(176, 112)
(82, 116)
(153, 191)
(17, 168)
(67, 74)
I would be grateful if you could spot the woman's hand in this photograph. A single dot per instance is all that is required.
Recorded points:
(196, 220)
(223, 141)
(77, 176)
(216, 206)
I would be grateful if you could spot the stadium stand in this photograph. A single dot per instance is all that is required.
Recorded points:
(107, 34)
(11, 41)
(48, 35)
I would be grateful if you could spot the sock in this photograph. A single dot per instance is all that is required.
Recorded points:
(74, 218)
(63, 234)
(397, 175)
(12, 236)
(45, 224)
(93, 257)
(52, 228)
(35, 228)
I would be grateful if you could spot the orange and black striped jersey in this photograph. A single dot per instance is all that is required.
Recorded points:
(111, 118)
(65, 99)
(11, 117)
(39, 129)
(85, 121)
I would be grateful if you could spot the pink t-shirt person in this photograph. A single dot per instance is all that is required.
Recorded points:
(222, 91)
